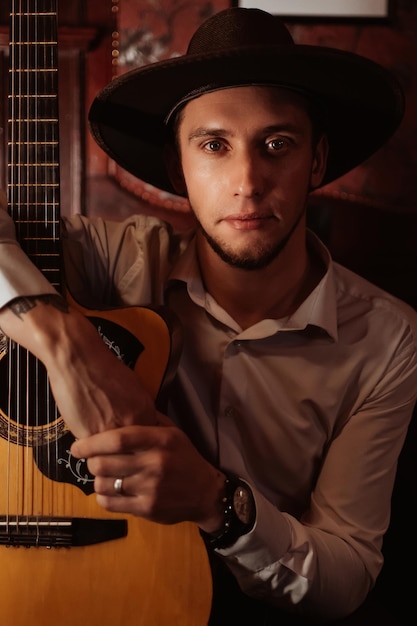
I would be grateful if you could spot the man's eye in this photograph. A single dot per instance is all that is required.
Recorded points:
(213, 146)
(276, 144)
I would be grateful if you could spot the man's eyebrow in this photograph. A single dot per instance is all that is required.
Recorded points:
(203, 131)
(279, 127)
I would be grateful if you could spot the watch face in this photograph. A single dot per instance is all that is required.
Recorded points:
(243, 504)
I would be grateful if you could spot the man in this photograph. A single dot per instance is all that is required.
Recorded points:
(297, 378)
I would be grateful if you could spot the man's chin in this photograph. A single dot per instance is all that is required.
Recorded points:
(246, 260)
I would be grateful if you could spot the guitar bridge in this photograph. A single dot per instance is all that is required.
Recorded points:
(56, 532)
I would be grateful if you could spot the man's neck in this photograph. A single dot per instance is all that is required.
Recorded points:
(273, 292)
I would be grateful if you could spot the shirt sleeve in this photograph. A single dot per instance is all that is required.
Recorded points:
(18, 276)
(326, 562)
(111, 263)
(96, 271)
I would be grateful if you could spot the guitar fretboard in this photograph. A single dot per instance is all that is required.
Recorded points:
(33, 133)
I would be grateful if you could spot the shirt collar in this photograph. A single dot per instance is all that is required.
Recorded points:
(319, 309)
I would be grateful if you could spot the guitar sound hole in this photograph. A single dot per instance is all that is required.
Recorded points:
(27, 387)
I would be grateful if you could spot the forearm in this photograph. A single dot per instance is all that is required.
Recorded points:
(31, 320)
(93, 389)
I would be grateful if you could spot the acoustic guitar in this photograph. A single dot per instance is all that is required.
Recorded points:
(65, 561)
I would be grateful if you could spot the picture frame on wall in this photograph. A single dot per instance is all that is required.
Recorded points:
(326, 10)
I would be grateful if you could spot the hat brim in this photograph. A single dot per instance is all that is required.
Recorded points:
(363, 102)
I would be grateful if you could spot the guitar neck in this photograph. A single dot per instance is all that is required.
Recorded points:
(33, 133)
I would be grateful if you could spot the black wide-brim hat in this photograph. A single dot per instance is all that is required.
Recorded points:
(363, 103)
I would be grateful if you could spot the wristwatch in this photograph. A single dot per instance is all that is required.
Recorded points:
(239, 514)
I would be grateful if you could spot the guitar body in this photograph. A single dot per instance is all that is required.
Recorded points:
(64, 560)
(157, 576)
(151, 575)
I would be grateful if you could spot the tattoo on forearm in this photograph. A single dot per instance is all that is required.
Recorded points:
(20, 306)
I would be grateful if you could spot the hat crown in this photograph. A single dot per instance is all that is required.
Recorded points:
(237, 28)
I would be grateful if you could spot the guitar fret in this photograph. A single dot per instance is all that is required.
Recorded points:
(51, 143)
(24, 222)
(36, 240)
(23, 70)
(32, 119)
(47, 222)
(51, 207)
(28, 125)
(32, 143)
(21, 187)
(30, 44)
(35, 205)
(34, 165)
(32, 96)
(19, 182)
(33, 13)
(33, 184)
(31, 202)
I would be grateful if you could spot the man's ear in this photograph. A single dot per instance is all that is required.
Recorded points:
(174, 169)
(319, 165)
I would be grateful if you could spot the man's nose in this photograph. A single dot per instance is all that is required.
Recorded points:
(248, 175)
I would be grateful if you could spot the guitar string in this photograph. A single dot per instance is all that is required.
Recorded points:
(12, 348)
(24, 179)
(32, 177)
(12, 505)
(24, 194)
(53, 171)
(23, 356)
(24, 170)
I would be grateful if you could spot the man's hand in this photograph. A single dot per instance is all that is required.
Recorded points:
(164, 478)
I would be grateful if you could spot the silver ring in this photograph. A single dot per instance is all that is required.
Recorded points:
(118, 486)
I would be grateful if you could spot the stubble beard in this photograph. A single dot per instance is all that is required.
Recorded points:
(251, 261)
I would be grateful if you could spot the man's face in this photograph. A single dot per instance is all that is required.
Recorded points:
(248, 162)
